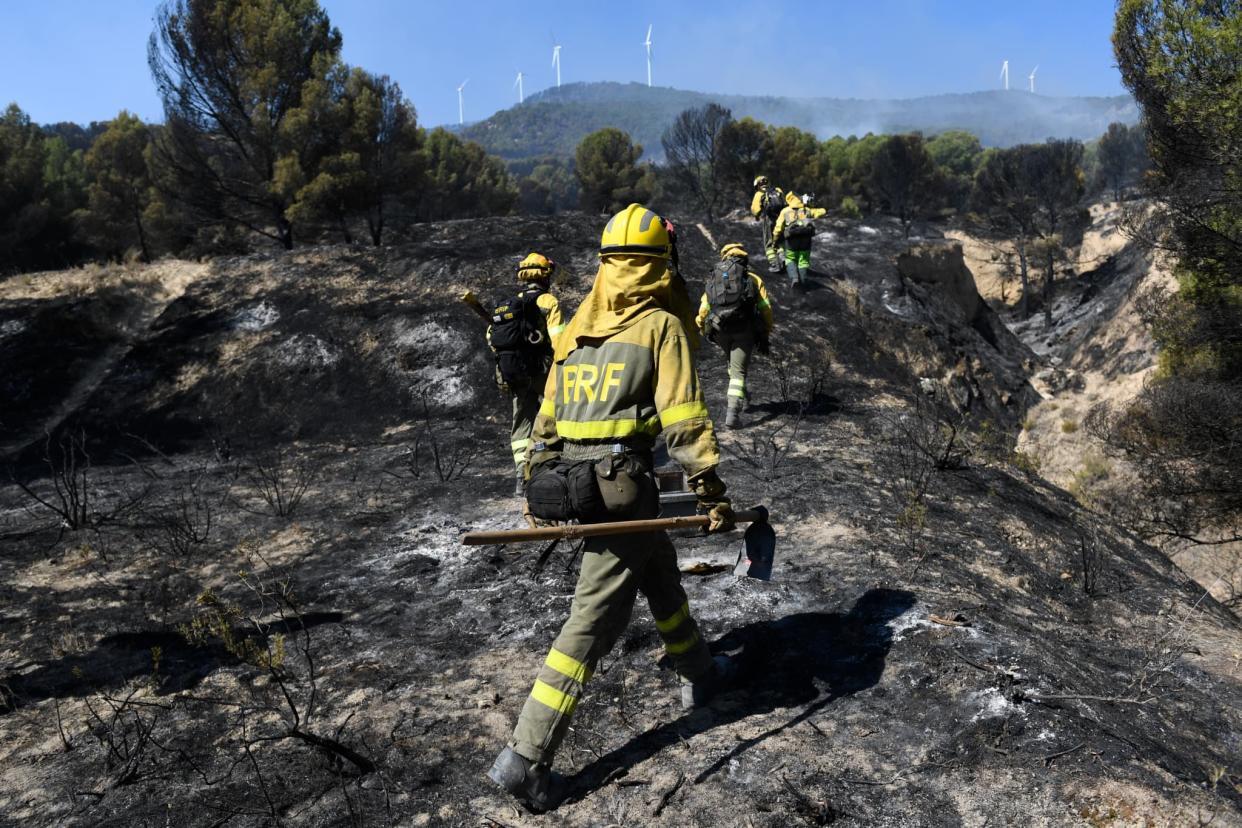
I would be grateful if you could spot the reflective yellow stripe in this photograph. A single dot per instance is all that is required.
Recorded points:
(680, 647)
(548, 695)
(680, 413)
(605, 429)
(737, 388)
(763, 303)
(547, 408)
(673, 621)
(520, 444)
(555, 329)
(570, 668)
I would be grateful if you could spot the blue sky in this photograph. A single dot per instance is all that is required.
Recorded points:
(84, 60)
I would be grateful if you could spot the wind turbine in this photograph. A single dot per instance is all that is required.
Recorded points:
(461, 107)
(647, 43)
(556, 61)
(1005, 74)
(518, 84)
(1031, 78)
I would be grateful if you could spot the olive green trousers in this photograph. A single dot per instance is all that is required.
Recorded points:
(525, 409)
(769, 242)
(738, 347)
(614, 570)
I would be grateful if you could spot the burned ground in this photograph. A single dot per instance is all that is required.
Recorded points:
(945, 643)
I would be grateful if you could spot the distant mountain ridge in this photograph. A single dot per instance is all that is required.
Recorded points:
(553, 121)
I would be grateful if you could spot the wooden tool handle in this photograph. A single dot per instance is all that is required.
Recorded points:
(471, 301)
(574, 531)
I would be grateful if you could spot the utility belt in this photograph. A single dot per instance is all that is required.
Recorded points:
(594, 483)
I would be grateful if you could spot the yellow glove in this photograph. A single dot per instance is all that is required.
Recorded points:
(720, 518)
(710, 490)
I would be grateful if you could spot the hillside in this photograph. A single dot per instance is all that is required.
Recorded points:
(553, 121)
(997, 656)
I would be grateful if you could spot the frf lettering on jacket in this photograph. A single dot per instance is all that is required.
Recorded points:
(579, 381)
(628, 389)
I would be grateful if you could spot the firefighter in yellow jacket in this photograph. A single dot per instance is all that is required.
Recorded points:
(795, 229)
(523, 345)
(736, 314)
(766, 206)
(623, 373)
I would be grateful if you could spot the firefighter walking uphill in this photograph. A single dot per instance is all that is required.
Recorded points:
(795, 229)
(523, 337)
(623, 373)
(736, 314)
(766, 206)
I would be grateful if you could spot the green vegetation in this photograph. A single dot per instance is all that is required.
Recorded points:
(1180, 58)
(268, 135)
(552, 122)
(609, 177)
(903, 178)
(1033, 195)
(1121, 158)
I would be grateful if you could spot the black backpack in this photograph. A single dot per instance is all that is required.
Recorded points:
(773, 202)
(519, 336)
(731, 294)
(800, 226)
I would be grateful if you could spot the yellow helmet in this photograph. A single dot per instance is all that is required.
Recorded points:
(636, 230)
(791, 198)
(760, 180)
(534, 267)
(733, 251)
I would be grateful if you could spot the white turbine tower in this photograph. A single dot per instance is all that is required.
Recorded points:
(1005, 74)
(647, 43)
(556, 61)
(1031, 78)
(518, 84)
(461, 106)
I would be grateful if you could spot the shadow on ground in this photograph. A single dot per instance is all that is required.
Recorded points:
(803, 662)
(121, 657)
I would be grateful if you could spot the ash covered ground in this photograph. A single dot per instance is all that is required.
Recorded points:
(948, 640)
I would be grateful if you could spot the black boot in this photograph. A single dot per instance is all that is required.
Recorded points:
(733, 416)
(533, 784)
(698, 693)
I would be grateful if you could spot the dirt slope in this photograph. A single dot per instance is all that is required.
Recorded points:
(1064, 693)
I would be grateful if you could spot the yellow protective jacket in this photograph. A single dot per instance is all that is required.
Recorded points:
(624, 370)
(763, 304)
(756, 203)
(552, 316)
(794, 211)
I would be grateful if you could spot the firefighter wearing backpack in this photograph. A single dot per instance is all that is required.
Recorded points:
(623, 374)
(795, 229)
(736, 314)
(766, 206)
(522, 335)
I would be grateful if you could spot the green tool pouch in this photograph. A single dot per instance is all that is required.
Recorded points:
(627, 488)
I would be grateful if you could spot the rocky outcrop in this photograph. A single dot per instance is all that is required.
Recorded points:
(939, 267)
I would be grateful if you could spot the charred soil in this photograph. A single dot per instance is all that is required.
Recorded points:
(268, 617)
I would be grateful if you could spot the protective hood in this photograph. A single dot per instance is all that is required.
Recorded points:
(626, 289)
